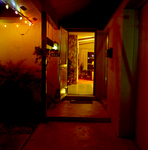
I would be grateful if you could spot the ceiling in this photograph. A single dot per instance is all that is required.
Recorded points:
(69, 13)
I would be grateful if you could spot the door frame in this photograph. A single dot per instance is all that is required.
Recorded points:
(95, 32)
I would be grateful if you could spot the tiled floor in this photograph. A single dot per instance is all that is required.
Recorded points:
(80, 89)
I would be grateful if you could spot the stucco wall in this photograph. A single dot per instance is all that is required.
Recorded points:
(114, 30)
(15, 47)
(142, 88)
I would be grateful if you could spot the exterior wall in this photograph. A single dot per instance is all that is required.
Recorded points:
(52, 67)
(129, 73)
(72, 56)
(15, 47)
(99, 47)
(142, 88)
(114, 29)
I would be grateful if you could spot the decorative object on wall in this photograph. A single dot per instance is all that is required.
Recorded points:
(72, 56)
(110, 52)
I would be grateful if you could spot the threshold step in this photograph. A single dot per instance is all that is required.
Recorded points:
(80, 97)
(79, 119)
(78, 101)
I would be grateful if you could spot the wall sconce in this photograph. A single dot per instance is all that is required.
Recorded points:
(55, 46)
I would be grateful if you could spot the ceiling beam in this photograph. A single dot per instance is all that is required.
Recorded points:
(44, 5)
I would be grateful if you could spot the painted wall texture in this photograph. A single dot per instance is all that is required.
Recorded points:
(15, 47)
(142, 87)
(114, 29)
(52, 66)
(72, 56)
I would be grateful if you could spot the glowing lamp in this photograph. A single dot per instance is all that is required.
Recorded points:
(29, 23)
(25, 21)
(21, 18)
(55, 46)
(17, 25)
(7, 6)
(5, 26)
(16, 12)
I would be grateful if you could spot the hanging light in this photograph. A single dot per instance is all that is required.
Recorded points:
(7, 6)
(16, 12)
(29, 23)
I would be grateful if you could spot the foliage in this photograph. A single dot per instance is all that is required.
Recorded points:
(17, 84)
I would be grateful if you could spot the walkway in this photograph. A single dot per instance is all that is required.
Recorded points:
(72, 135)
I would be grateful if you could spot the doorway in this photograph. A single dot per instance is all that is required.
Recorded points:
(81, 50)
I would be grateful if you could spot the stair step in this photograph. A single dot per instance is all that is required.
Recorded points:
(80, 97)
(79, 119)
(78, 101)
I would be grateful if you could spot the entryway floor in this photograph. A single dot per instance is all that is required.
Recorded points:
(79, 111)
(77, 136)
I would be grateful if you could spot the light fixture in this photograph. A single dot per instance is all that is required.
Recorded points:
(25, 21)
(30, 23)
(7, 6)
(16, 12)
(55, 46)
(5, 26)
(17, 25)
(13, 7)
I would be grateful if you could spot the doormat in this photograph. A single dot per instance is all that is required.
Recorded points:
(81, 102)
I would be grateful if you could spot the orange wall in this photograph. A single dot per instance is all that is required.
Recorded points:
(15, 47)
(142, 88)
(53, 65)
(114, 29)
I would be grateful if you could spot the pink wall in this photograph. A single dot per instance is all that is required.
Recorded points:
(114, 29)
(142, 88)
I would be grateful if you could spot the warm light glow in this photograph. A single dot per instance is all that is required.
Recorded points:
(55, 46)
(17, 25)
(16, 12)
(21, 18)
(25, 21)
(5, 26)
(29, 23)
(7, 6)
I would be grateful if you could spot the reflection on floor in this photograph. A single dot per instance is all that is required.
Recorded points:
(82, 87)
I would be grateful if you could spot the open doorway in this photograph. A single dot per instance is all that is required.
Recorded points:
(81, 50)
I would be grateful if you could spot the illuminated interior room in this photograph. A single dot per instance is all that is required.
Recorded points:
(81, 79)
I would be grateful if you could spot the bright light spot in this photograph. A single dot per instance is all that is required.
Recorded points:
(29, 23)
(17, 25)
(25, 21)
(55, 46)
(5, 26)
(21, 18)
(16, 12)
(7, 6)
